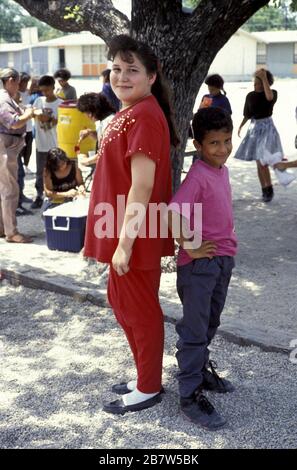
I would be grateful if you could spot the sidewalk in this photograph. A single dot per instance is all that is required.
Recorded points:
(261, 306)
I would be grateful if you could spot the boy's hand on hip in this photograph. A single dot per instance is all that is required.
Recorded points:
(207, 249)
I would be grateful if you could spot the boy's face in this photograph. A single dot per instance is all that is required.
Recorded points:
(47, 91)
(62, 82)
(215, 147)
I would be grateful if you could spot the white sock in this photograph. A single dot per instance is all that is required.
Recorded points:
(136, 396)
(132, 385)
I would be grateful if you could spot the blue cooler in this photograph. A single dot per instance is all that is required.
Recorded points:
(65, 225)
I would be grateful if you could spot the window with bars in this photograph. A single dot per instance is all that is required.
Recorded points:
(261, 53)
(94, 54)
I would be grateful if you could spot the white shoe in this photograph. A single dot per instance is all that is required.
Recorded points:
(284, 177)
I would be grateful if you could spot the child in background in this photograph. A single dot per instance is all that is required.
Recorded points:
(62, 179)
(215, 98)
(46, 134)
(108, 91)
(262, 136)
(66, 91)
(98, 108)
(204, 272)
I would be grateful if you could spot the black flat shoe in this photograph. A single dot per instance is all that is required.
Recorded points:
(122, 389)
(118, 407)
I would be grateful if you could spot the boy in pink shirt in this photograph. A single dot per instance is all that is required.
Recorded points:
(203, 269)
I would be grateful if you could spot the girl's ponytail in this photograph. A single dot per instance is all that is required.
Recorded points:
(160, 90)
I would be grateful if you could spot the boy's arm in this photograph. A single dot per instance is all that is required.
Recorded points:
(180, 225)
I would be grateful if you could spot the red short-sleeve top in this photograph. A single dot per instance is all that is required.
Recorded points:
(141, 128)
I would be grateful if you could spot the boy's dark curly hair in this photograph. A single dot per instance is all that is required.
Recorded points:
(63, 74)
(210, 119)
(95, 104)
(47, 80)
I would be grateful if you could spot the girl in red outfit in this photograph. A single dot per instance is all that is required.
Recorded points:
(134, 167)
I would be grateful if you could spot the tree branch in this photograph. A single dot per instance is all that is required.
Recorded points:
(100, 17)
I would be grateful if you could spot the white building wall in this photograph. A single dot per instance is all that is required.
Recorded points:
(237, 59)
(73, 59)
(53, 60)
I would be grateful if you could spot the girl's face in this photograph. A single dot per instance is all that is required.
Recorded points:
(130, 81)
(62, 165)
(258, 86)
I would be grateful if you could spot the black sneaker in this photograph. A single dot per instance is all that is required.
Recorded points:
(267, 194)
(22, 211)
(25, 200)
(37, 203)
(213, 382)
(199, 410)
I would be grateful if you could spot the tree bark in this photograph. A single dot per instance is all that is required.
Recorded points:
(186, 43)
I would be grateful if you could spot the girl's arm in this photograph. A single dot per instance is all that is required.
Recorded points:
(284, 165)
(143, 178)
(261, 74)
(245, 119)
(49, 191)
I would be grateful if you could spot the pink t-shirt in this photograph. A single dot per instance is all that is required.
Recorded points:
(211, 187)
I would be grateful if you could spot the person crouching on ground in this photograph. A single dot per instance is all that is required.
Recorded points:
(62, 179)
(204, 272)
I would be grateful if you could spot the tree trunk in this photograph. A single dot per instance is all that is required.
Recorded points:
(185, 42)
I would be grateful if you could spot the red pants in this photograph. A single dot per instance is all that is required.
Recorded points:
(135, 302)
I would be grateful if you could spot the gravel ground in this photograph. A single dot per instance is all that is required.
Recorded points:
(59, 359)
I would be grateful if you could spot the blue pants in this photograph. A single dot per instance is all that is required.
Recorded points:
(202, 286)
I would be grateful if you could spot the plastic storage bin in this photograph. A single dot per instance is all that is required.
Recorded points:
(65, 225)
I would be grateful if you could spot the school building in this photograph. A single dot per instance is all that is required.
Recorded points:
(84, 54)
(236, 61)
(277, 51)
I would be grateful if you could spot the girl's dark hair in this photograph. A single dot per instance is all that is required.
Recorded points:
(53, 158)
(210, 119)
(126, 46)
(96, 104)
(215, 80)
(64, 74)
(270, 77)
